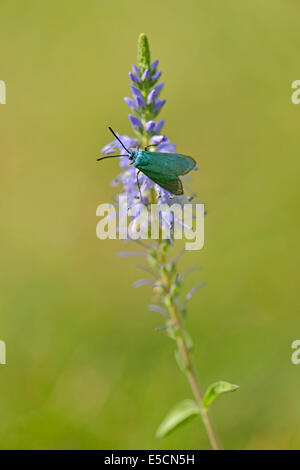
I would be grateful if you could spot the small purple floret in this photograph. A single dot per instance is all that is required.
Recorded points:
(159, 126)
(136, 92)
(158, 105)
(150, 126)
(131, 103)
(140, 102)
(135, 122)
(151, 96)
(158, 88)
(154, 65)
(135, 70)
(133, 78)
(156, 76)
(146, 75)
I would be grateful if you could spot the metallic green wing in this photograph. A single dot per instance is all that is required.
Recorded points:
(164, 168)
(175, 163)
(171, 183)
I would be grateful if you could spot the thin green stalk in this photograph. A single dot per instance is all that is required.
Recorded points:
(184, 352)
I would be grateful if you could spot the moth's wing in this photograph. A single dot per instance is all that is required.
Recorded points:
(175, 163)
(170, 182)
(164, 168)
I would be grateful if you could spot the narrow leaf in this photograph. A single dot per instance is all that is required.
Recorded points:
(142, 282)
(183, 412)
(158, 309)
(216, 389)
(188, 271)
(128, 254)
(192, 292)
(148, 270)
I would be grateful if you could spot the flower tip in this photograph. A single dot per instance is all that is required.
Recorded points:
(143, 53)
(143, 40)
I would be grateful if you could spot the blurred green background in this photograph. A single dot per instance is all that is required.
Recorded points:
(85, 368)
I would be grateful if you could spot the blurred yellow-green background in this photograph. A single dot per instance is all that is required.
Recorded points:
(85, 368)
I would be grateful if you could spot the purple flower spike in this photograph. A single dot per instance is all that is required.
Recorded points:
(154, 65)
(156, 76)
(150, 125)
(159, 126)
(158, 105)
(133, 78)
(146, 75)
(158, 88)
(131, 103)
(135, 122)
(135, 70)
(145, 104)
(137, 193)
(151, 96)
(140, 102)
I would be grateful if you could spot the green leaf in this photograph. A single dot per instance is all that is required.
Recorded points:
(143, 59)
(216, 389)
(183, 412)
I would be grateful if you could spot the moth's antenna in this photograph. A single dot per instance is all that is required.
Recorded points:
(118, 139)
(111, 156)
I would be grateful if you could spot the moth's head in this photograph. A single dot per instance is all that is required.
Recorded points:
(131, 156)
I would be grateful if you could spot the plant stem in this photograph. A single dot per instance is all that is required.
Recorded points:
(190, 370)
(183, 349)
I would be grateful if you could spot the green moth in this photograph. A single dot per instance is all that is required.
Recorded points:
(162, 168)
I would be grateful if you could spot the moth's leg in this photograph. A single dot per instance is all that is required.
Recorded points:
(154, 145)
(138, 184)
(151, 145)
